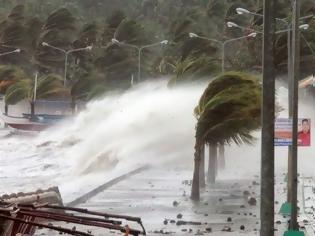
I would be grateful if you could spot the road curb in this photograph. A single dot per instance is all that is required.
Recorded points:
(104, 186)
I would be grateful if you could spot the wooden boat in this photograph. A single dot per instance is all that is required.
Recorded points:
(31, 122)
(38, 122)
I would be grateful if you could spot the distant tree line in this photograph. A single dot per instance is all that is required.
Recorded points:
(74, 24)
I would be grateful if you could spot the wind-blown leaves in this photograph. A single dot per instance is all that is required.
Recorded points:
(130, 31)
(23, 89)
(17, 13)
(58, 31)
(229, 109)
(19, 91)
(61, 19)
(9, 75)
(194, 69)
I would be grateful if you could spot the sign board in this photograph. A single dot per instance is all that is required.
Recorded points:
(283, 132)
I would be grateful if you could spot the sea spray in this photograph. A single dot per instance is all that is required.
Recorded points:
(149, 124)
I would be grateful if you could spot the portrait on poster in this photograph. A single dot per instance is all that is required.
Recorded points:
(283, 132)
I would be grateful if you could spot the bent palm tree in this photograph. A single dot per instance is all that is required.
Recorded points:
(8, 76)
(227, 112)
(23, 89)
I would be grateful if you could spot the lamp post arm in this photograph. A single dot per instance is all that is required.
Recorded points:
(306, 17)
(76, 50)
(261, 15)
(128, 45)
(235, 39)
(209, 39)
(254, 14)
(59, 49)
(7, 53)
(150, 45)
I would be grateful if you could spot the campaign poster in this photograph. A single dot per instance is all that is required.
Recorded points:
(283, 132)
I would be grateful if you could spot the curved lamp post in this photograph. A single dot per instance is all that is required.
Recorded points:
(223, 43)
(66, 52)
(139, 49)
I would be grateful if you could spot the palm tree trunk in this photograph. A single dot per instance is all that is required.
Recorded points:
(216, 164)
(32, 109)
(202, 167)
(195, 189)
(212, 163)
(73, 104)
(6, 109)
(221, 162)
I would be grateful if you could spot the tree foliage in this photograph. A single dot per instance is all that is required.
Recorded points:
(75, 24)
(229, 109)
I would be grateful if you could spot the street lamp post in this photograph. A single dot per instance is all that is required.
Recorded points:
(66, 56)
(223, 44)
(139, 49)
(294, 103)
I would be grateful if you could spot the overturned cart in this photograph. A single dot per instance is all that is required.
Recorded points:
(27, 217)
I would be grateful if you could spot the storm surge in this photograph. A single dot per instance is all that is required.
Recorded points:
(149, 124)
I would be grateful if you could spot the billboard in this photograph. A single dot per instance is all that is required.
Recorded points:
(283, 133)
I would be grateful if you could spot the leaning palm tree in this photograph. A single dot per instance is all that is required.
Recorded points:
(49, 86)
(9, 75)
(228, 111)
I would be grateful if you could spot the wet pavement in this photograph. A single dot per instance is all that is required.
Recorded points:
(161, 199)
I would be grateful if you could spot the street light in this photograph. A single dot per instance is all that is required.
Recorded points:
(66, 52)
(139, 49)
(231, 24)
(223, 43)
(10, 52)
(241, 11)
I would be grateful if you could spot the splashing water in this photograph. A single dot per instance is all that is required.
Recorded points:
(149, 124)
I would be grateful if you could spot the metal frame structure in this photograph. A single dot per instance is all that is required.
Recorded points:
(26, 217)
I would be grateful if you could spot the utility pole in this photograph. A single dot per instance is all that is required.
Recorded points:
(268, 115)
(295, 77)
(290, 87)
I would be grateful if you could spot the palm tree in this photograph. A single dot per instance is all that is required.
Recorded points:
(194, 69)
(47, 87)
(59, 30)
(9, 75)
(227, 112)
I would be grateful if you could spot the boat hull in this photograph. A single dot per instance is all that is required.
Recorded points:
(28, 127)
(26, 123)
